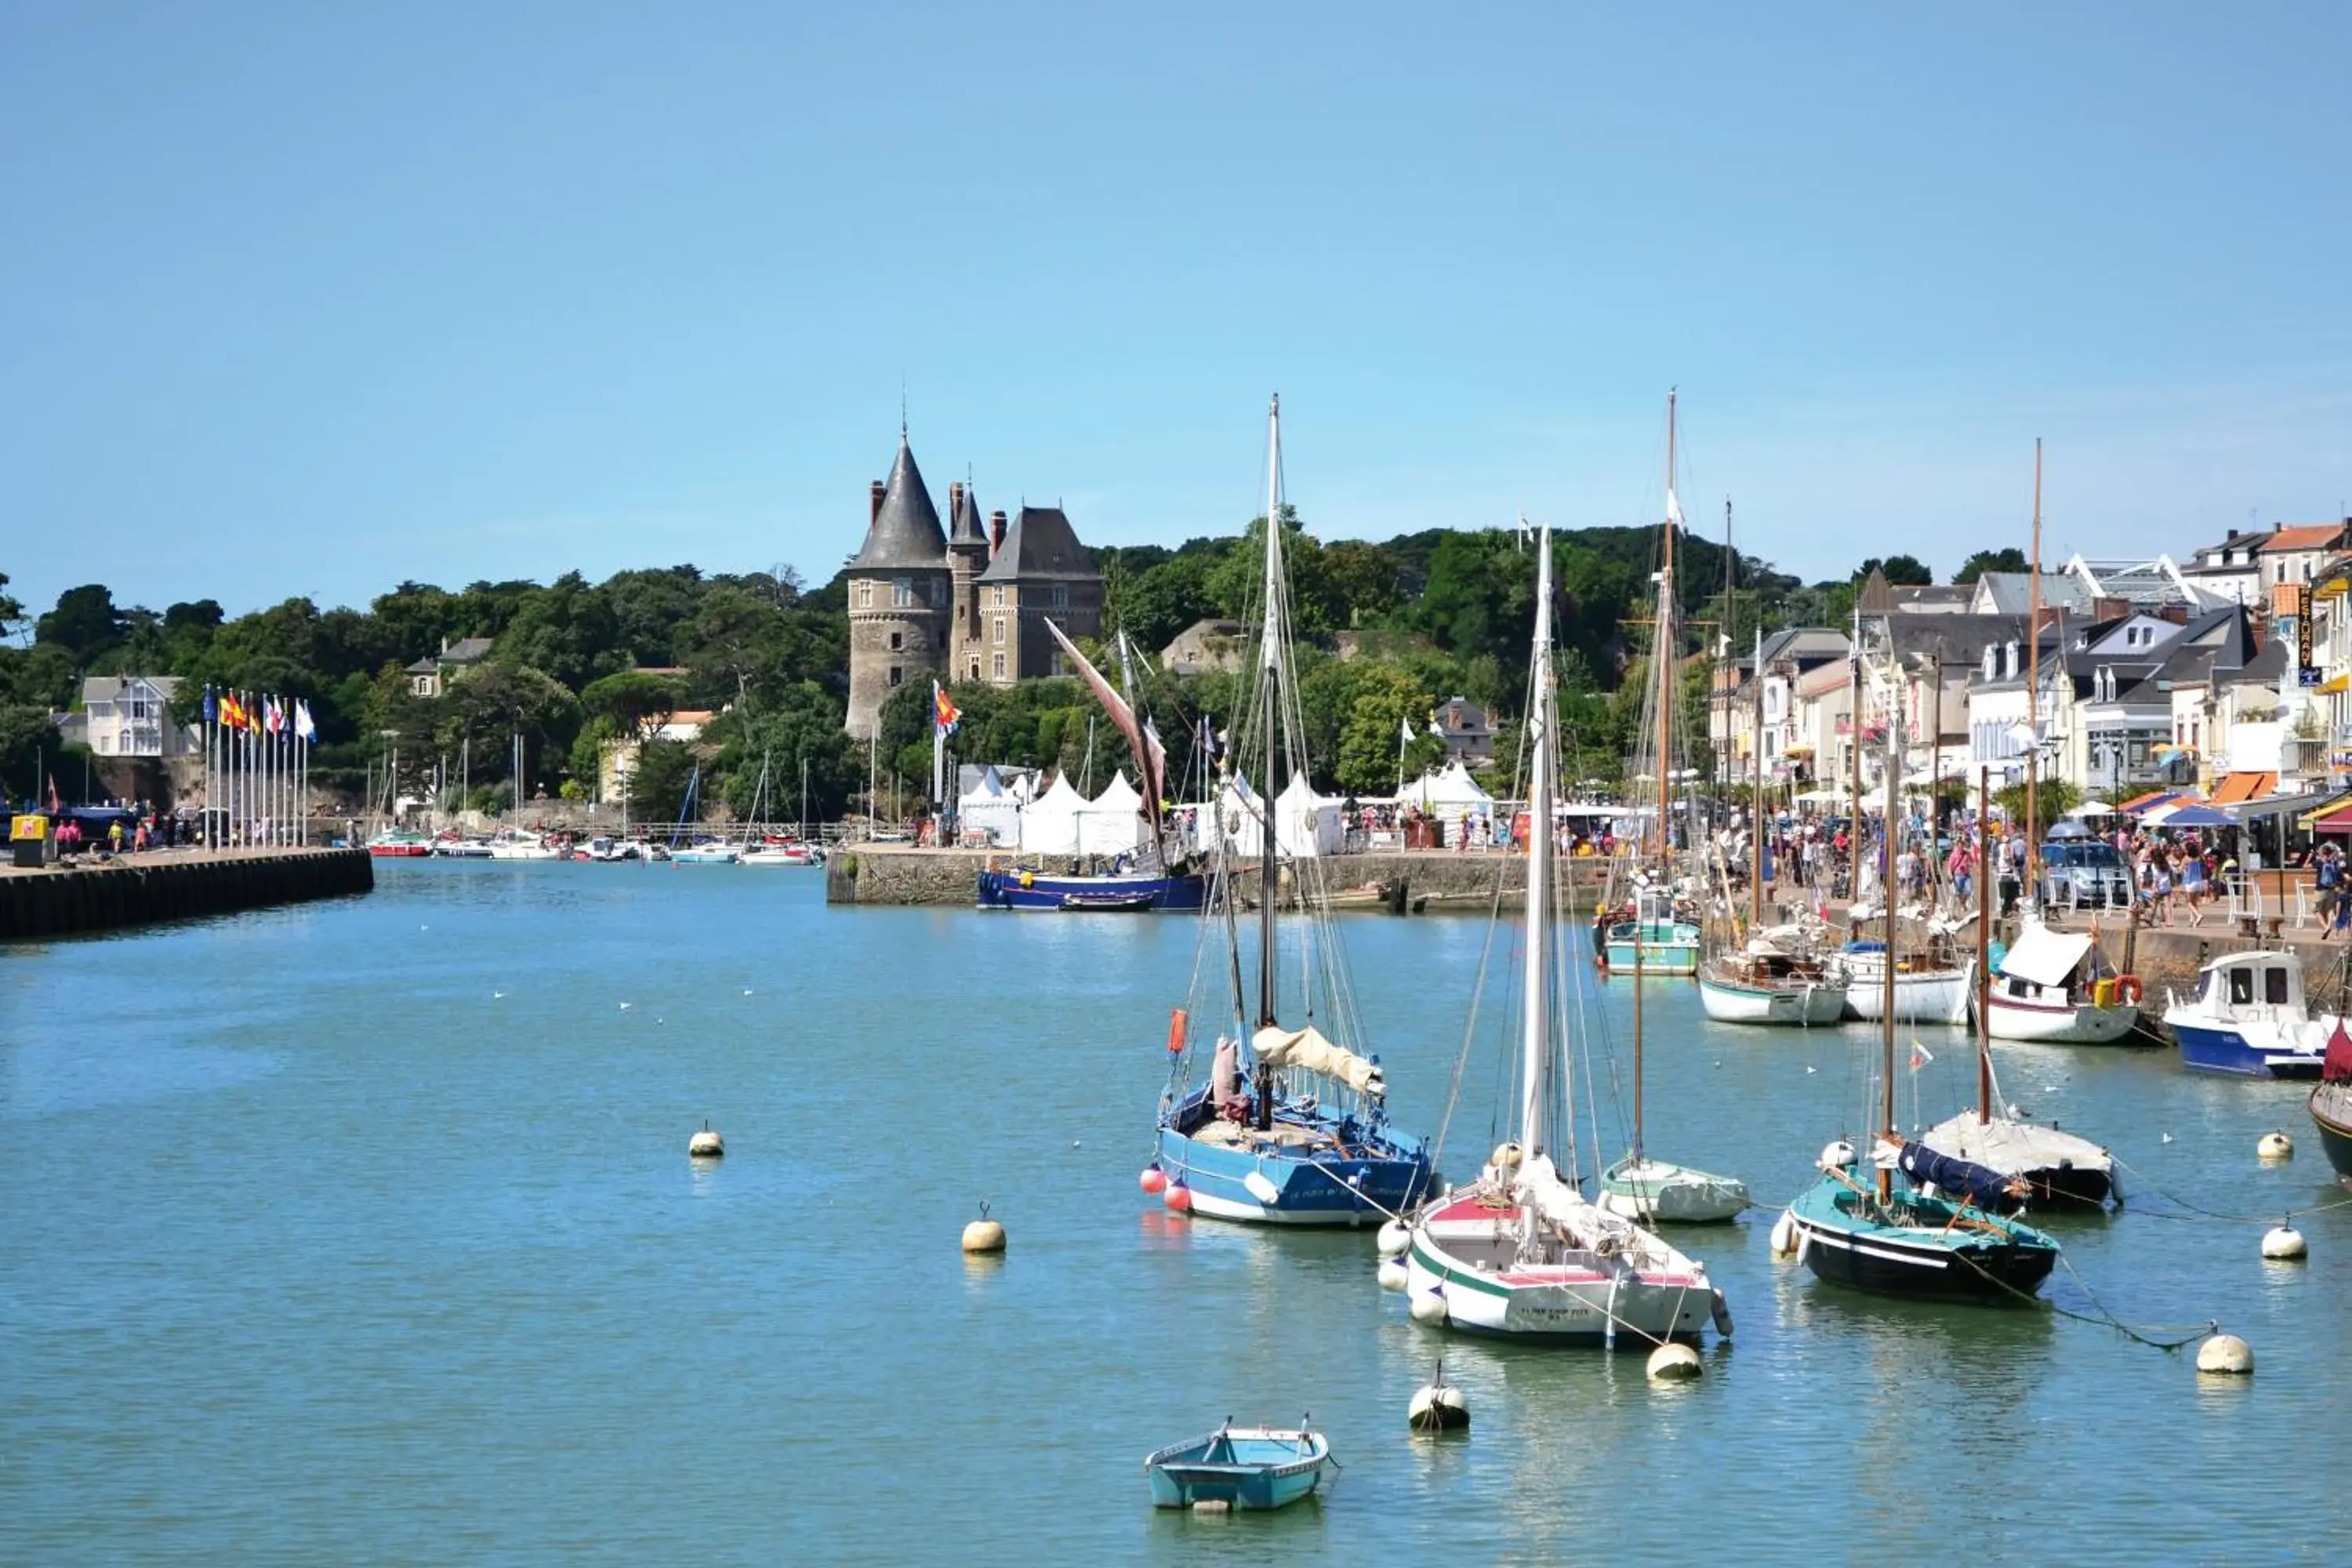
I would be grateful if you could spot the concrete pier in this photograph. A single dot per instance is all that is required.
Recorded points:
(170, 885)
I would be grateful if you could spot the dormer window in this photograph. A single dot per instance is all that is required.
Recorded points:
(1992, 662)
(2010, 660)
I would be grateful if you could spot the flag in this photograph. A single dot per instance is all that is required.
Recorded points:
(231, 715)
(1404, 732)
(1674, 508)
(212, 707)
(945, 715)
(273, 717)
(55, 804)
(1921, 1056)
(302, 725)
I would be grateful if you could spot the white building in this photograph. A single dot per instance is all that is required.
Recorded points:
(131, 715)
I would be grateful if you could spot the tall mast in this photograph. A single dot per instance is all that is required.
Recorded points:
(1266, 787)
(1534, 1058)
(1663, 644)
(1887, 896)
(2033, 689)
(1984, 947)
(1756, 806)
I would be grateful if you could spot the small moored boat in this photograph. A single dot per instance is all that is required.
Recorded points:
(2043, 991)
(2249, 1016)
(1240, 1467)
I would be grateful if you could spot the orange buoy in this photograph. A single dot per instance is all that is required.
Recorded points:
(1178, 1197)
(1153, 1180)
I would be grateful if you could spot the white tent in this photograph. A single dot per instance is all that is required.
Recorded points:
(1448, 793)
(1306, 823)
(1050, 824)
(1111, 823)
(990, 808)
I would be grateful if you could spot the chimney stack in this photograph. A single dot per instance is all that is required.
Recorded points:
(876, 511)
(2233, 533)
(995, 533)
(955, 503)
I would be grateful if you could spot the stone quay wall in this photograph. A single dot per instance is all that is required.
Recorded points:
(170, 885)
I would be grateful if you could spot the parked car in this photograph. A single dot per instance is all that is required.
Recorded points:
(2086, 873)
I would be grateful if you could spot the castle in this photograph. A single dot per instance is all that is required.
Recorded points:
(959, 604)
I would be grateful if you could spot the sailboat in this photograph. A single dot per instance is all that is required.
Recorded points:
(1653, 929)
(2331, 1104)
(1521, 1250)
(1941, 1234)
(1291, 1126)
(2057, 1167)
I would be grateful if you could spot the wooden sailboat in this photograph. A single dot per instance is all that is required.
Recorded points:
(1521, 1250)
(1651, 928)
(2057, 1167)
(1291, 1125)
(1941, 1234)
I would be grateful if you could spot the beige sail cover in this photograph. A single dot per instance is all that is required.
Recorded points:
(1280, 1048)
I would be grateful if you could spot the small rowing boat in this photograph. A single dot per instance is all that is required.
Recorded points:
(1240, 1467)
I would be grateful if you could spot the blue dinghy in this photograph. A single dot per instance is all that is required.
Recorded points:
(1241, 1466)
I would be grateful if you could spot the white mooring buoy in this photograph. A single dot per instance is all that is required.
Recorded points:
(2226, 1355)
(1393, 1239)
(1784, 1235)
(1429, 1307)
(983, 1234)
(1835, 1156)
(705, 1145)
(1438, 1406)
(1393, 1275)
(2275, 1146)
(2284, 1244)
(1674, 1361)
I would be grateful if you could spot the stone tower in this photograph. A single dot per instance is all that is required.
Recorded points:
(900, 605)
(968, 552)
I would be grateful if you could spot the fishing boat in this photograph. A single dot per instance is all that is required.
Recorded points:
(1655, 932)
(1290, 1126)
(1775, 978)
(1521, 1251)
(2331, 1103)
(2045, 988)
(1942, 1232)
(2248, 1016)
(1240, 1467)
(400, 844)
(1009, 889)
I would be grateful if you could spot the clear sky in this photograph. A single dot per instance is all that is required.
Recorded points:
(312, 299)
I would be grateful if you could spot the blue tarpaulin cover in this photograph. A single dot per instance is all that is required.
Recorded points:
(1981, 1184)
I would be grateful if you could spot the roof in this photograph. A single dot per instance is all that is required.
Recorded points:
(2312, 536)
(1924, 598)
(1040, 543)
(906, 531)
(1876, 598)
(965, 526)
(467, 650)
(2011, 593)
(102, 688)
(2243, 786)
(1959, 638)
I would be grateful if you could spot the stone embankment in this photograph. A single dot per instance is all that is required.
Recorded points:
(170, 885)
(898, 874)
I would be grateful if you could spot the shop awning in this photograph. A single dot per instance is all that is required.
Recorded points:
(2154, 797)
(2236, 788)
(2340, 682)
(2330, 819)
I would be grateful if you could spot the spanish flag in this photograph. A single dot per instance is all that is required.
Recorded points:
(945, 715)
(232, 711)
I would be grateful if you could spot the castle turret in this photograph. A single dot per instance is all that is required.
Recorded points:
(968, 552)
(899, 588)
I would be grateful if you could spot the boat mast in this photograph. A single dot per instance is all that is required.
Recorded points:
(2033, 690)
(1756, 806)
(1663, 649)
(1984, 947)
(1535, 1057)
(1274, 635)
(1886, 896)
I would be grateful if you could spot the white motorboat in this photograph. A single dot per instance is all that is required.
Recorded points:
(516, 845)
(2249, 1016)
(763, 852)
(2043, 989)
(705, 855)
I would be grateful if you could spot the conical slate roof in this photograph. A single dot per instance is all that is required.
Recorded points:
(906, 531)
(964, 527)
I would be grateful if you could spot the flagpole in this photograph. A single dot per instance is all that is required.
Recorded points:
(938, 757)
(212, 734)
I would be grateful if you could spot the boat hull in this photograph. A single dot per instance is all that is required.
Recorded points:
(1266, 1185)
(2331, 1113)
(1796, 1007)
(1654, 1192)
(1029, 890)
(1924, 1263)
(2059, 1024)
(1252, 1467)
(1600, 1307)
(2220, 1048)
(1933, 998)
(1665, 955)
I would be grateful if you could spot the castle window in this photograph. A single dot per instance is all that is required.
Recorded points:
(996, 667)
(996, 633)
(975, 669)
(996, 595)
(865, 594)
(1061, 595)
(902, 592)
(897, 675)
(897, 640)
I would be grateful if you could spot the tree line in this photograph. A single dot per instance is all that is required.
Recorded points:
(1385, 632)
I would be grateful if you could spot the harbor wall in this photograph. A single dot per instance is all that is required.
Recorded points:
(142, 890)
(891, 874)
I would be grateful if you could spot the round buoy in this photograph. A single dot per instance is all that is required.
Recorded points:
(1154, 1180)
(2275, 1146)
(1178, 1197)
(1213, 1505)
(1393, 1239)
(2226, 1355)
(1674, 1361)
(983, 1234)
(1438, 1407)
(1393, 1274)
(705, 1145)
(1429, 1307)
(1835, 1156)
(1784, 1235)
(1504, 1159)
(2284, 1245)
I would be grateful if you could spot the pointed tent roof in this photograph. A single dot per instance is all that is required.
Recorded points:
(1877, 599)
(1040, 543)
(906, 531)
(964, 528)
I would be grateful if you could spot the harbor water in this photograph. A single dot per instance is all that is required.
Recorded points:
(364, 1232)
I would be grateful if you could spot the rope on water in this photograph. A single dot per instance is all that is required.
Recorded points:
(2156, 1336)
(2198, 1211)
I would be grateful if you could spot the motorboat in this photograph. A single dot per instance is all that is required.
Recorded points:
(2046, 988)
(2248, 1015)
(400, 845)
(779, 852)
(706, 854)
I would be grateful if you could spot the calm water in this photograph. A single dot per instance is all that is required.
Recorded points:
(365, 1233)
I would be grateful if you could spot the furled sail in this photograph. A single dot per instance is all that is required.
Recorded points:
(1981, 1184)
(1151, 759)
(1280, 1048)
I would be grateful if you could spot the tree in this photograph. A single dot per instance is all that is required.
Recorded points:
(633, 702)
(567, 629)
(85, 623)
(658, 778)
(494, 701)
(1363, 580)
(1906, 570)
(2009, 558)
(2053, 798)
(1387, 702)
(1156, 604)
(649, 606)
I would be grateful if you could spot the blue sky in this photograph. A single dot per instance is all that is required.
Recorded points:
(303, 298)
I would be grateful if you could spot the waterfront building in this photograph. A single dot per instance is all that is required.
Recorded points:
(131, 715)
